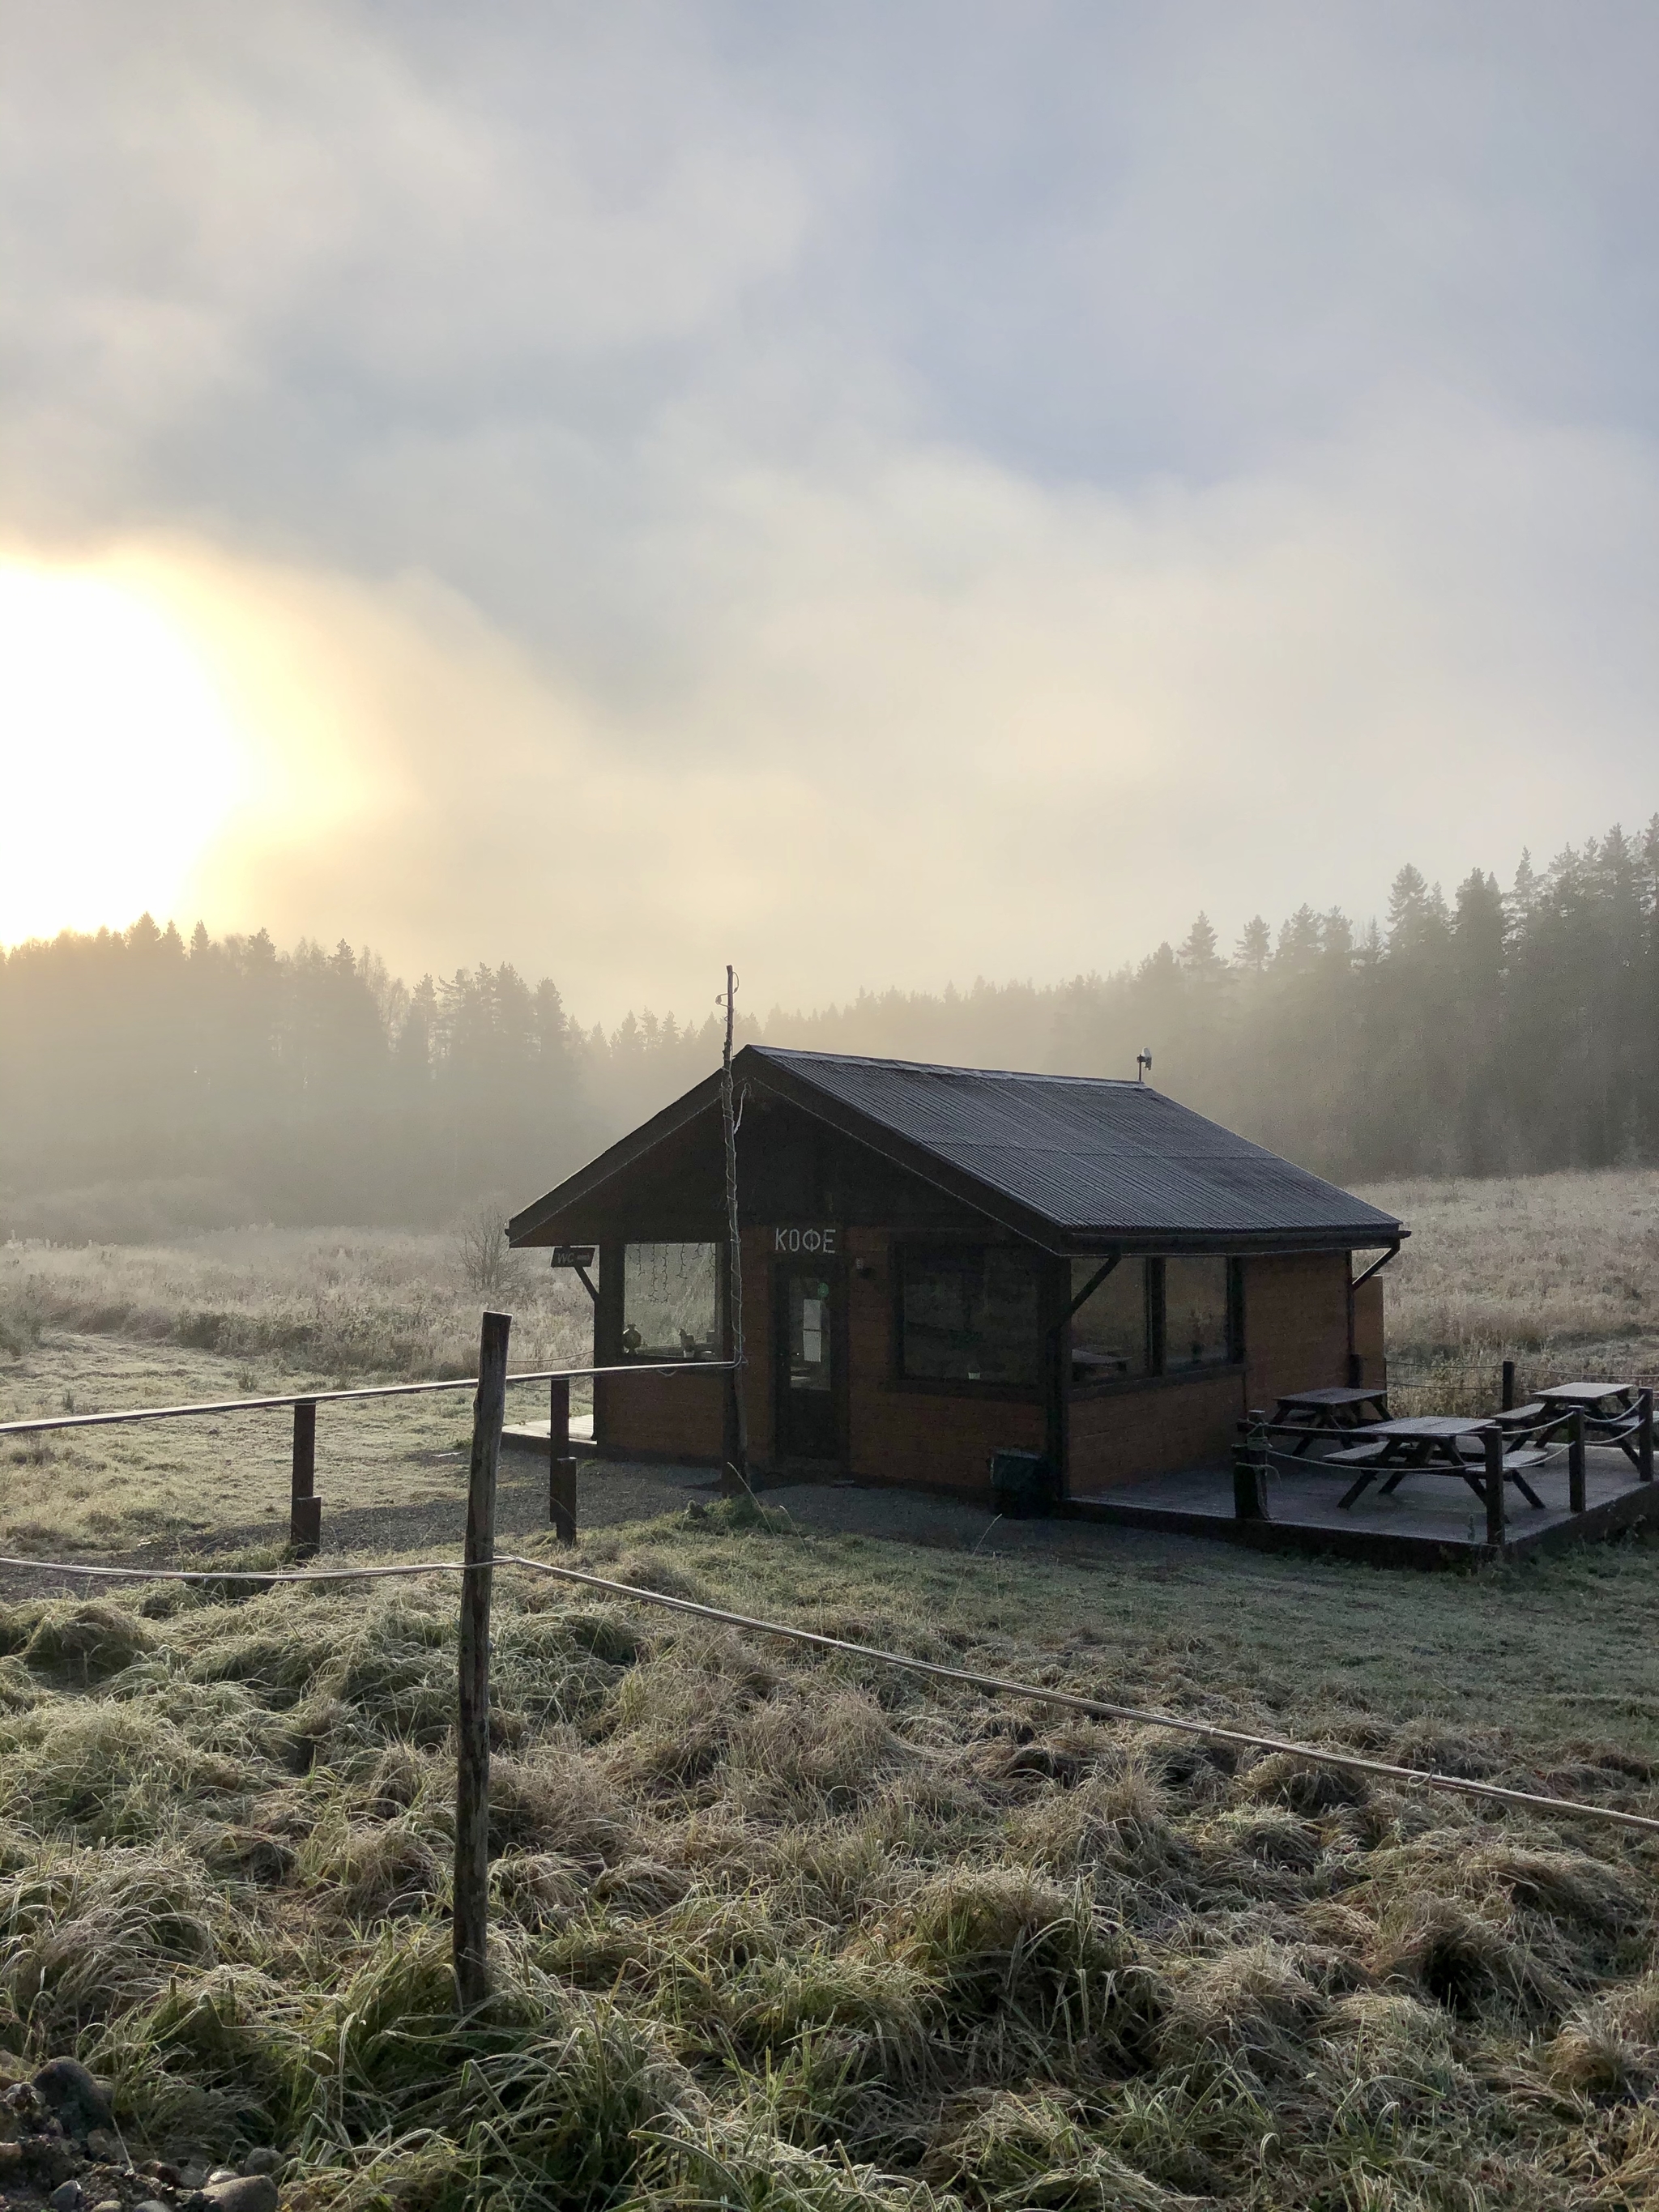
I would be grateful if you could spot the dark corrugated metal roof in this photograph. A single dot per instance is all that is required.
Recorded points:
(1088, 1155)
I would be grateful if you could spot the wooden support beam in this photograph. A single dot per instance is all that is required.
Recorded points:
(1250, 1468)
(1509, 1385)
(1575, 1459)
(471, 1911)
(1492, 1445)
(305, 1508)
(562, 1499)
(1644, 1437)
(561, 1466)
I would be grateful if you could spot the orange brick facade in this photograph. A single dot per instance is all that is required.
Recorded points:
(1296, 1336)
(1124, 1435)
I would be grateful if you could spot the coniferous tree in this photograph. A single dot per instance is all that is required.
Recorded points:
(146, 1081)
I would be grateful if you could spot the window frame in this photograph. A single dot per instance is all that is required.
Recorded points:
(906, 1251)
(1158, 1376)
(646, 1356)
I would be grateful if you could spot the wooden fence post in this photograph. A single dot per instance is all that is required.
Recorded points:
(560, 1467)
(1576, 1460)
(1644, 1437)
(472, 1914)
(1250, 1469)
(1509, 1385)
(305, 1508)
(1492, 1444)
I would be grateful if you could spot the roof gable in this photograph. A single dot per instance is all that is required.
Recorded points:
(1065, 1160)
(1086, 1155)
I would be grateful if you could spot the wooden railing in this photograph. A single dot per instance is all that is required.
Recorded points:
(305, 1507)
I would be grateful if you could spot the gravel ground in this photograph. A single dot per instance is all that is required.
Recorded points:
(612, 1493)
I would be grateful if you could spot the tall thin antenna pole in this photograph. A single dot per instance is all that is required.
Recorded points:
(734, 1248)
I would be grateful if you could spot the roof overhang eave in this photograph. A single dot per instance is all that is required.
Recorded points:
(1343, 1237)
(578, 1188)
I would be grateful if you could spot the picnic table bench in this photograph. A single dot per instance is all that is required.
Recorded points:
(1618, 1413)
(1437, 1443)
(1311, 1416)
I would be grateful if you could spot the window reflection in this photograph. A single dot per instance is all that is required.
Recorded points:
(1195, 1333)
(969, 1314)
(1111, 1336)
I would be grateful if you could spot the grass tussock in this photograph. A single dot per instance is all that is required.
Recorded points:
(770, 1931)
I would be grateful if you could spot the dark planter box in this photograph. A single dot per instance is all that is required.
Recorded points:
(1022, 1484)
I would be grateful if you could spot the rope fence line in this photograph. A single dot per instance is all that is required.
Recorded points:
(476, 1569)
(245, 1574)
(366, 1390)
(1513, 1442)
(1097, 1708)
(1308, 1464)
(931, 1669)
(305, 1513)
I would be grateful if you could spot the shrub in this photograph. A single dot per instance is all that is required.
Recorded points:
(1002, 1940)
(119, 1772)
(1036, 2148)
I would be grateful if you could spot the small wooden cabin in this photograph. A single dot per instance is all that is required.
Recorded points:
(939, 1263)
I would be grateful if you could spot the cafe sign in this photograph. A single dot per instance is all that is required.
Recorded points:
(817, 1242)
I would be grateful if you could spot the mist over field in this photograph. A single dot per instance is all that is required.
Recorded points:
(150, 1087)
(1044, 535)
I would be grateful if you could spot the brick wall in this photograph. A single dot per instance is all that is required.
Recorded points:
(1296, 1324)
(1295, 1334)
(660, 1416)
(1368, 1337)
(1123, 1436)
(901, 1434)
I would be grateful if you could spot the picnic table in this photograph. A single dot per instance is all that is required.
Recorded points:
(1312, 1414)
(1431, 1443)
(1614, 1414)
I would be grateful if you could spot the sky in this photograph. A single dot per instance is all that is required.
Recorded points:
(880, 493)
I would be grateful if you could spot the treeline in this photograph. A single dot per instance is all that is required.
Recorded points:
(1494, 1032)
(149, 1084)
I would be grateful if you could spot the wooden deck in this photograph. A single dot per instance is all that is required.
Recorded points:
(532, 1436)
(1430, 1520)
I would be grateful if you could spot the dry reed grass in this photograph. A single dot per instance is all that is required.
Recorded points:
(338, 1302)
(1559, 1273)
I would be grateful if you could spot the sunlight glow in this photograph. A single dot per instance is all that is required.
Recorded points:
(119, 760)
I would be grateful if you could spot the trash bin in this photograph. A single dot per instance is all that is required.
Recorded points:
(1022, 1483)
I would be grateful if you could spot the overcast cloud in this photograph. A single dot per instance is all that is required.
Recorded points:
(883, 493)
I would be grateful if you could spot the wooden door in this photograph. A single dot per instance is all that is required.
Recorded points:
(809, 1336)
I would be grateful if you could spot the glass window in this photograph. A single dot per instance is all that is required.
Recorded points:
(809, 1329)
(1196, 1331)
(671, 1300)
(1111, 1336)
(969, 1316)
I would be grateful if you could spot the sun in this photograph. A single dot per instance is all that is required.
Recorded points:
(119, 760)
